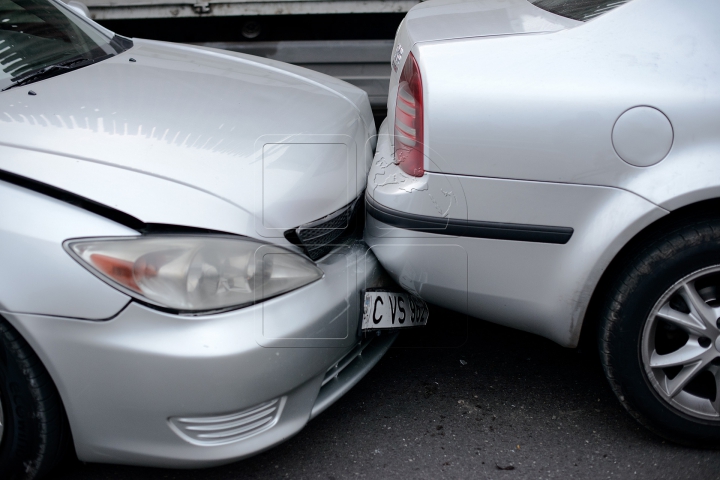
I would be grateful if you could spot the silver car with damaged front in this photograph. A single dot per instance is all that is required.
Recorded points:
(161, 299)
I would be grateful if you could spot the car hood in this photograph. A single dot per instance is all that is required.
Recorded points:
(199, 137)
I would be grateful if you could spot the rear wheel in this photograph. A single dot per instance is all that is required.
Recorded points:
(660, 336)
(34, 433)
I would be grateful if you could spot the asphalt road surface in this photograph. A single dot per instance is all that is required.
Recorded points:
(465, 399)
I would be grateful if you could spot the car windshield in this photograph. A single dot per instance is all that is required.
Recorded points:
(581, 10)
(47, 37)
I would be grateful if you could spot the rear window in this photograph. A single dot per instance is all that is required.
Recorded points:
(581, 10)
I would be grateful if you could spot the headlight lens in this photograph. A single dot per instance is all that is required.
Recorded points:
(194, 273)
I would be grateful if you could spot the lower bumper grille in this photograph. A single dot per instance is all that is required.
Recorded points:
(345, 361)
(350, 369)
(230, 428)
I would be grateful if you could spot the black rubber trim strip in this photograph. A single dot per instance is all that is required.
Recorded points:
(468, 228)
(120, 43)
(98, 208)
(73, 199)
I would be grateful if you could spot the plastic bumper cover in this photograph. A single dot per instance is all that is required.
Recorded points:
(133, 385)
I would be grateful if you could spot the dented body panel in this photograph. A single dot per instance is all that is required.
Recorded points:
(538, 287)
(124, 370)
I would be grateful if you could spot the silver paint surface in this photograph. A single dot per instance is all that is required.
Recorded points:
(121, 378)
(183, 132)
(519, 116)
(195, 137)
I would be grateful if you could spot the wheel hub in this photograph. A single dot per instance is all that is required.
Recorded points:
(681, 345)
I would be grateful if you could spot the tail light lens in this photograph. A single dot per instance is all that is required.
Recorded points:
(409, 131)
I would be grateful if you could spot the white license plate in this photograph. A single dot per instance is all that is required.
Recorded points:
(384, 310)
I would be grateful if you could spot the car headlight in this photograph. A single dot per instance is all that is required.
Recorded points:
(194, 273)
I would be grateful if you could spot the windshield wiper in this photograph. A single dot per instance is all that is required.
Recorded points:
(54, 70)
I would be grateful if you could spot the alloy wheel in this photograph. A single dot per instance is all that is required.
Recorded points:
(681, 345)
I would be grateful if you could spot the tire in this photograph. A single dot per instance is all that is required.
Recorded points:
(35, 436)
(659, 346)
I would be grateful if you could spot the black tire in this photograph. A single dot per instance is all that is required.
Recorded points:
(649, 274)
(36, 436)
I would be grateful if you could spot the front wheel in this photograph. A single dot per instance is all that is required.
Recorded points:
(34, 433)
(660, 335)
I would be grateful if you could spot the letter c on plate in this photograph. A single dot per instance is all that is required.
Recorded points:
(377, 299)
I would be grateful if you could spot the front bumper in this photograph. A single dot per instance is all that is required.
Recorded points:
(156, 389)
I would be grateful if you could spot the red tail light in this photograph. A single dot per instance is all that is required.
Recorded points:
(409, 133)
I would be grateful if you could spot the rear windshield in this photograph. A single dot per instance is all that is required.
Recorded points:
(581, 10)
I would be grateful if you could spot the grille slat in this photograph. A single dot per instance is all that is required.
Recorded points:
(235, 432)
(231, 417)
(230, 428)
(222, 426)
(346, 360)
(319, 237)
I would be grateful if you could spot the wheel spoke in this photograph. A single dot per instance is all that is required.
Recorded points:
(683, 320)
(697, 305)
(688, 354)
(716, 403)
(675, 386)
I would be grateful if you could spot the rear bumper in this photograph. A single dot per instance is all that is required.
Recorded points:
(155, 389)
(520, 253)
